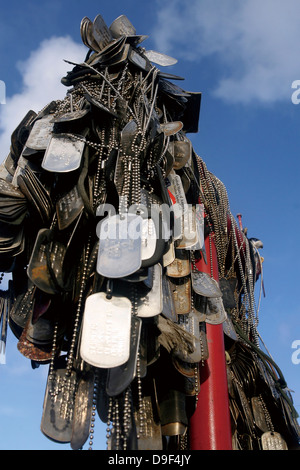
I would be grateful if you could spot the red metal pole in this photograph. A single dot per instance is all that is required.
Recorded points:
(210, 426)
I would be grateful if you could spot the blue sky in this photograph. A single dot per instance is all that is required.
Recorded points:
(244, 58)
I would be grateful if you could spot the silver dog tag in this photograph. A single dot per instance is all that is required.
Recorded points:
(120, 246)
(40, 134)
(205, 285)
(105, 338)
(64, 153)
(152, 303)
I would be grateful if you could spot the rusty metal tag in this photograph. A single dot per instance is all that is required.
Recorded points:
(105, 336)
(190, 323)
(182, 153)
(64, 153)
(181, 291)
(181, 266)
(273, 441)
(38, 268)
(148, 430)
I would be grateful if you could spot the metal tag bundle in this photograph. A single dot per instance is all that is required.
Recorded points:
(124, 257)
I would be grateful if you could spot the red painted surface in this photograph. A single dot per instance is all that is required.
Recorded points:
(210, 427)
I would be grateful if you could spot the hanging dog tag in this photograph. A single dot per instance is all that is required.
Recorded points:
(168, 301)
(273, 441)
(180, 267)
(190, 236)
(180, 206)
(205, 285)
(151, 304)
(83, 408)
(215, 312)
(58, 405)
(182, 153)
(68, 207)
(105, 337)
(149, 238)
(40, 134)
(64, 153)
(119, 378)
(190, 323)
(120, 246)
(181, 290)
(38, 269)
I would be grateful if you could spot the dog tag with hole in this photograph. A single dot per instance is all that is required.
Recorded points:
(120, 246)
(105, 337)
(64, 153)
(83, 410)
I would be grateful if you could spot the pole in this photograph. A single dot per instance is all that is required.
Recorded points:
(210, 426)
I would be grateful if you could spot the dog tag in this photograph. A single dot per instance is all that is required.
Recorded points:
(83, 408)
(40, 134)
(273, 441)
(180, 267)
(151, 304)
(105, 337)
(120, 246)
(119, 378)
(169, 256)
(181, 291)
(149, 237)
(190, 323)
(38, 269)
(101, 32)
(205, 285)
(68, 208)
(59, 401)
(190, 235)
(64, 153)
(180, 206)
(148, 429)
(215, 312)
(168, 310)
(259, 415)
(182, 153)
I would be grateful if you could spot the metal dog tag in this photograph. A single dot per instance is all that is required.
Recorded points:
(215, 312)
(105, 337)
(40, 134)
(68, 208)
(190, 323)
(190, 236)
(38, 269)
(64, 153)
(181, 291)
(273, 441)
(180, 267)
(119, 378)
(58, 406)
(149, 237)
(205, 285)
(182, 153)
(83, 408)
(151, 304)
(168, 310)
(148, 430)
(120, 246)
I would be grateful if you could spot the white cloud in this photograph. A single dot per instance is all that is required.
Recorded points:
(41, 74)
(254, 43)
